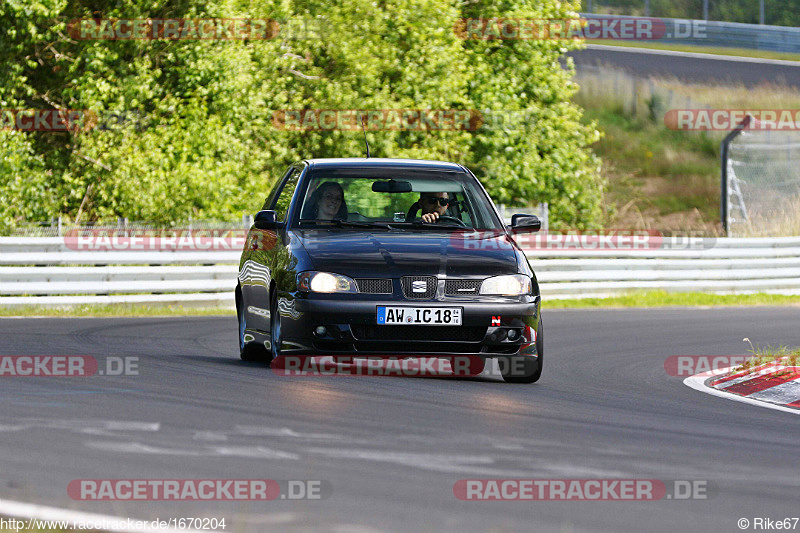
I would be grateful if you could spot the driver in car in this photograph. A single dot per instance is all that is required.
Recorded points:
(433, 205)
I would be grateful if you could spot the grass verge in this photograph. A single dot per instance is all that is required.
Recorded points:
(114, 310)
(714, 50)
(673, 299)
(763, 355)
(632, 299)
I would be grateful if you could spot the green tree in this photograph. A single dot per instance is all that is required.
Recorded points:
(199, 139)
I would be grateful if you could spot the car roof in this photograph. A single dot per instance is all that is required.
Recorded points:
(378, 162)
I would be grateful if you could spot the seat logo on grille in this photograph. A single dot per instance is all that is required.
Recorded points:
(419, 286)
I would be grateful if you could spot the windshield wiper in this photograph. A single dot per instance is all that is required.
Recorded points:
(346, 223)
(438, 225)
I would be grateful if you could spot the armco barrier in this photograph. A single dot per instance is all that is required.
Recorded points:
(43, 271)
(723, 265)
(726, 34)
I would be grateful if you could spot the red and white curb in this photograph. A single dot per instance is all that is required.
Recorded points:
(773, 385)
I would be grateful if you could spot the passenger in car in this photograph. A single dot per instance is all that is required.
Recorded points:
(326, 203)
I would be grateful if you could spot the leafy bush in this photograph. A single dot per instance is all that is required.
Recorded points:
(198, 138)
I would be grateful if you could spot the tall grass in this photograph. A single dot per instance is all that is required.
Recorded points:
(781, 220)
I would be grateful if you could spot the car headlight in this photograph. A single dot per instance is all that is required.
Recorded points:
(511, 285)
(325, 282)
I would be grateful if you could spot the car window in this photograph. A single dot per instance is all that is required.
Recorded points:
(276, 188)
(365, 202)
(284, 199)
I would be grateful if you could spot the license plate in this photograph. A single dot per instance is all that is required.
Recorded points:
(419, 316)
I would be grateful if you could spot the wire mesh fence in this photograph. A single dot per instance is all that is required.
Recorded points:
(763, 192)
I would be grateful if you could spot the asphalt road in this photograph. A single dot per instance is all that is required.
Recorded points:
(392, 448)
(693, 69)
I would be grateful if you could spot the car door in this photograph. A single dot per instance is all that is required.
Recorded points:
(265, 255)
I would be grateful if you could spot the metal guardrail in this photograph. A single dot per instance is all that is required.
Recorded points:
(43, 271)
(726, 34)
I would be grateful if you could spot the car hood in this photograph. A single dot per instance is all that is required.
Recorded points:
(394, 254)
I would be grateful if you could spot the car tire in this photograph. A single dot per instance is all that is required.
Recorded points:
(531, 369)
(249, 351)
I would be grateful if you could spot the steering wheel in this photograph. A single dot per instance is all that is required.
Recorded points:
(452, 219)
(412, 214)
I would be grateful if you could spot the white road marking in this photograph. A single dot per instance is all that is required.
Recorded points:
(215, 436)
(263, 431)
(262, 519)
(475, 465)
(94, 427)
(138, 447)
(256, 452)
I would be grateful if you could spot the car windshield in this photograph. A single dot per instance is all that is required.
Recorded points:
(394, 198)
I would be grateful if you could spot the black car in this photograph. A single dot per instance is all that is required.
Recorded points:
(343, 261)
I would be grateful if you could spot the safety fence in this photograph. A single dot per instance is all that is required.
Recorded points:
(45, 271)
(725, 34)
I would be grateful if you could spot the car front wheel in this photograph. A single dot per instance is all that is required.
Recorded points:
(248, 350)
(275, 329)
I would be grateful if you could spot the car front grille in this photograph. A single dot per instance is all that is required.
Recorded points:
(412, 284)
(374, 285)
(456, 287)
(418, 333)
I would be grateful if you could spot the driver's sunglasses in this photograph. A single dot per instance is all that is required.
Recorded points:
(433, 200)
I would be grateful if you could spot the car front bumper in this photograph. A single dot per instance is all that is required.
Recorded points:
(491, 326)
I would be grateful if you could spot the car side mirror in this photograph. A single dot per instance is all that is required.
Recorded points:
(521, 222)
(267, 219)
